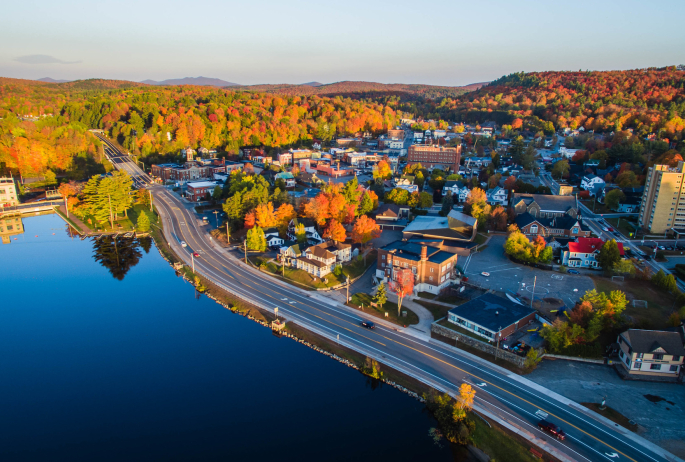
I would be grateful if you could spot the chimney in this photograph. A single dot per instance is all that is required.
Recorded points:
(424, 253)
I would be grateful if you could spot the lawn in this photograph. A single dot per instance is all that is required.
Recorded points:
(598, 208)
(659, 303)
(427, 295)
(500, 444)
(480, 239)
(612, 415)
(623, 225)
(438, 311)
(74, 225)
(363, 301)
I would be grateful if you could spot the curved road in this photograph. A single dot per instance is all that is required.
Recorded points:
(504, 396)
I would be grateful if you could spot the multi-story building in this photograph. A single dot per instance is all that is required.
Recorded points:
(197, 192)
(652, 353)
(8, 192)
(396, 133)
(316, 260)
(189, 171)
(433, 268)
(435, 157)
(10, 226)
(544, 205)
(663, 202)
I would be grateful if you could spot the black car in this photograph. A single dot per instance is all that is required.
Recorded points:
(368, 324)
(648, 257)
(572, 271)
(551, 428)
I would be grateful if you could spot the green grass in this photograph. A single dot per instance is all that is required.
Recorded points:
(501, 445)
(361, 299)
(611, 414)
(480, 239)
(659, 303)
(74, 225)
(599, 208)
(625, 225)
(438, 311)
(427, 295)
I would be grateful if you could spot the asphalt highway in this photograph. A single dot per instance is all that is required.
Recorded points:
(516, 402)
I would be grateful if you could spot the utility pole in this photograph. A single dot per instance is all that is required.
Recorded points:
(216, 215)
(150, 193)
(192, 260)
(228, 234)
(66, 205)
(347, 299)
(532, 299)
(245, 243)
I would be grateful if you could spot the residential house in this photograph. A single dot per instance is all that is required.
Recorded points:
(272, 237)
(544, 205)
(452, 187)
(392, 216)
(316, 261)
(497, 196)
(433, 268)
(592, 183)
(313, 237)
(491, 317)
(651, 353)
(583, 253)
(288, 178)
(341, 250)
(565, 225)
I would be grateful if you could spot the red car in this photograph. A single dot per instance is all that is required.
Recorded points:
(553, 429)
(196, 255)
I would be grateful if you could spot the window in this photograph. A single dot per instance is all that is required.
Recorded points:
(658, 356)
(655, 367)
(383, 257)
(674, 368)
(533, 229)
(431, 270)
(676, 358)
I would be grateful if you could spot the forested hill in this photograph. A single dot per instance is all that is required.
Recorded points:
(364, 89)
(646, 101)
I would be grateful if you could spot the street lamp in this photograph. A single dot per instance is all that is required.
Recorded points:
(216, 214)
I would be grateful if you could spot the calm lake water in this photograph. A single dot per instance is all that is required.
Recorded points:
(106, 355)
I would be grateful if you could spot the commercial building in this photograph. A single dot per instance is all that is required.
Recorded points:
(8, 192)
(433, 268)
(663, 202)
(435, 157)
(544, 205)
(491, 317)
(197, 192)
(651, 353)
(455, 226)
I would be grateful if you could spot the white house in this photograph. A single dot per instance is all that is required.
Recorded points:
(272, 237)
(316, 260)
(418, 136)
(583, 253)
(451, 187)
(567, 153)
(592, 183)
(497, 196)
(309, 228)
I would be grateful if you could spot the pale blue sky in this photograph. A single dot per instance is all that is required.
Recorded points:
(268, 41)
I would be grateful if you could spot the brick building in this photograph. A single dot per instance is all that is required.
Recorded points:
(191, 170)
(433, 268)
(491, 317)
(197, 192)
(435, 157)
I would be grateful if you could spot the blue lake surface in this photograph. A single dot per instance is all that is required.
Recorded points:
(96, 368)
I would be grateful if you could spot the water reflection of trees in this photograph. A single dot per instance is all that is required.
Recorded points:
(119, 254)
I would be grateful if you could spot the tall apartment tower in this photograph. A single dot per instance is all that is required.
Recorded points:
(434, 156)
(663, 202)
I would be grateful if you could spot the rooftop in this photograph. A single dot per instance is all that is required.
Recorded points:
(201, 184)
(492, 312)
(654, 341)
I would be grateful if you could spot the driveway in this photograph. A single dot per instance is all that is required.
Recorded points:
(507, 276)
(661, 422)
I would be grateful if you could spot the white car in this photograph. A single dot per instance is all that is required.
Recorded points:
(486, 274)
(183, 244)
(604, 228)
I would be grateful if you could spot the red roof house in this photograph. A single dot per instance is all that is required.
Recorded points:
(581, 254)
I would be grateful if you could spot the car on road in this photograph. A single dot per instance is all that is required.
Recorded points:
(183, 244)
(368, 324)
(611, 230)
(573, 272)
(661, 247)
(485, 273)
(551, 428)
(604, 228)
(196, 255)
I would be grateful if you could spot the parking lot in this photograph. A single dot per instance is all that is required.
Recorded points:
(506, 276)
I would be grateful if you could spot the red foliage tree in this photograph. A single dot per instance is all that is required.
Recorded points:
(402, 285)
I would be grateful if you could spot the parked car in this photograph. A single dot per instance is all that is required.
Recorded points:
(368, 324)
(553, 429)
(183, 244)
(573, 272)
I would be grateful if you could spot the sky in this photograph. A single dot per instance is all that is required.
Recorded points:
(269, 41)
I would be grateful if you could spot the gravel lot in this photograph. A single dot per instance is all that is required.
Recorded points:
(660, 422)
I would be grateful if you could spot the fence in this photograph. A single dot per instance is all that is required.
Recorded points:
(482, 346)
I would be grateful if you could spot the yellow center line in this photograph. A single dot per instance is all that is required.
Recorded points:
(414, 349)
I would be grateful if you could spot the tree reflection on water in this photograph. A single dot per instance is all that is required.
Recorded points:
(119, 254)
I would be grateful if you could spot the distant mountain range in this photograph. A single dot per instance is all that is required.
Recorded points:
(201, 81)
(49, 80)
(312, 84)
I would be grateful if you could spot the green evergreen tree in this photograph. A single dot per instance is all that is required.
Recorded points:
(381, 295)
(608, 255)
(143, 224)
(366, 205)
(447, 204)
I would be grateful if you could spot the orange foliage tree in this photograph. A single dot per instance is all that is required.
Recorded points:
(364, 230)
(335, 231)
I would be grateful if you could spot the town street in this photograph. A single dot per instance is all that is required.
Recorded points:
(502, 395)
